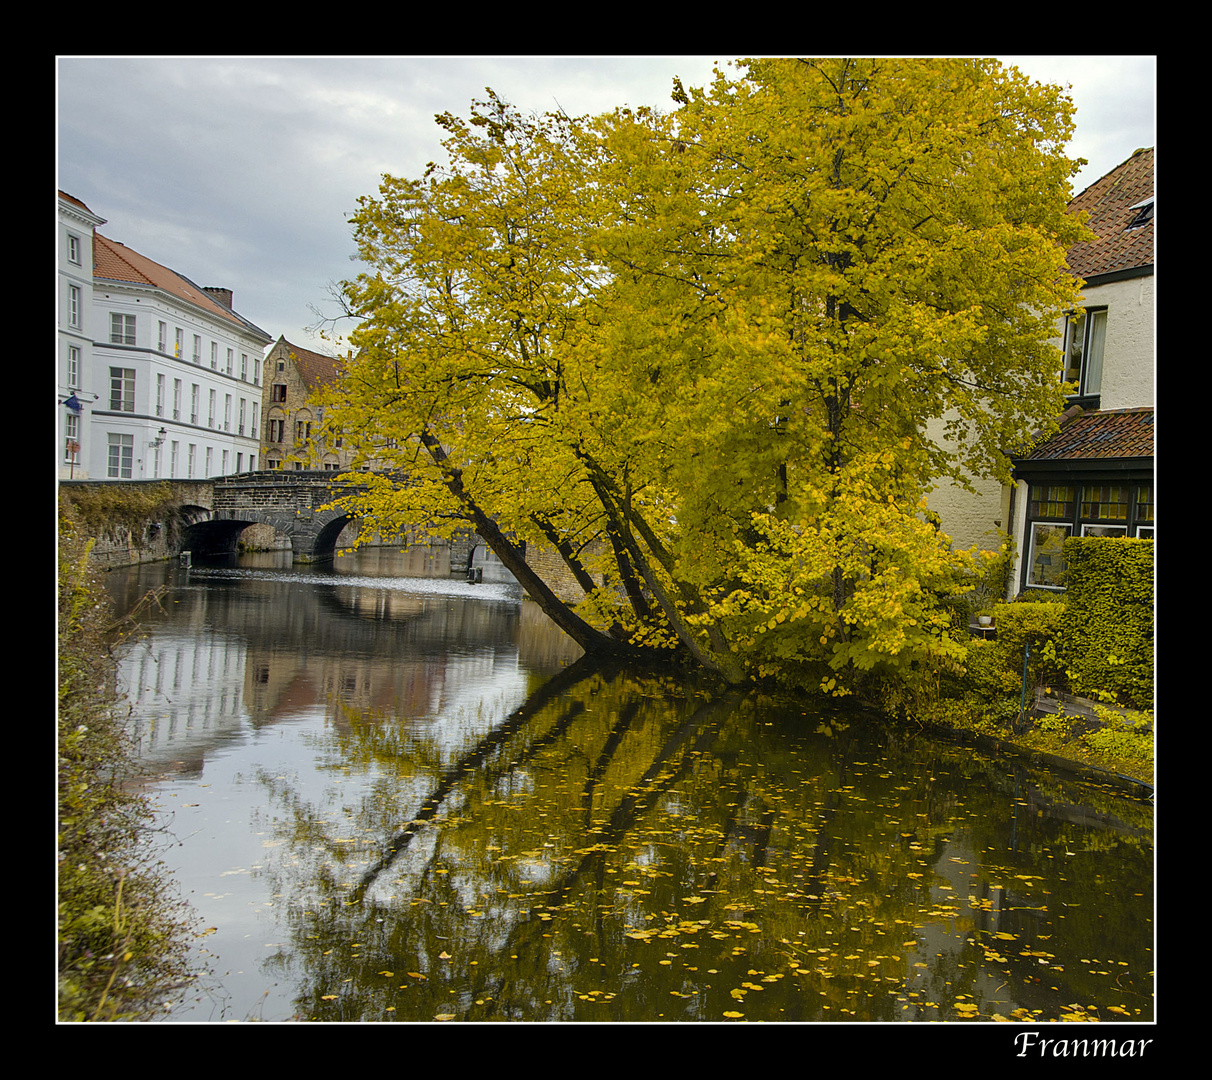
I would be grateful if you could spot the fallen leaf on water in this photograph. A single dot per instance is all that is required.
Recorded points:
(734, 1015)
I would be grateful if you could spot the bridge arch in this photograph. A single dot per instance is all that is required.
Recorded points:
(313, 536)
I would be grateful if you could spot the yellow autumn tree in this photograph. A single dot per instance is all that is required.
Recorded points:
(713, 339)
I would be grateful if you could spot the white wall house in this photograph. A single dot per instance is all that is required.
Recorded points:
(75, 334)
(1097, 464)
(176, 377)
(1095, 477)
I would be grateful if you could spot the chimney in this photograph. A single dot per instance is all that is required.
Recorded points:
(222, 295)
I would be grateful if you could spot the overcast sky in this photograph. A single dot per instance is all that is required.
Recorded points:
(240, 172)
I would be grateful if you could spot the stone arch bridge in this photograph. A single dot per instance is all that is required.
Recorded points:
(206, 517)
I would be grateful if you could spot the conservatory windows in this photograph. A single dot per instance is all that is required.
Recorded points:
(1058, 511)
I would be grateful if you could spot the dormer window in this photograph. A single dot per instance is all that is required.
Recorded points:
(1085, 338)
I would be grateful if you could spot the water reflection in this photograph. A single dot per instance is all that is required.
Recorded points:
(448, 818)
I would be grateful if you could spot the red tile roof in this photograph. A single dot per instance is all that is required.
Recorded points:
(1115, 434)
(315, 369)
(1112, 205)
(113, 261)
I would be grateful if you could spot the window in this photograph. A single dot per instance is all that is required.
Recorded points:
(73, 306)
(71, 443)
(1085, 337)
(214, 356)
(121, 457)
(122, 389)
(244, 366)
(172, 460)
(227, 412)
(224, 463)
(176, 399)
(73, 367)
(240, 428)
(197, 348)
(275, 431)
(254, 427)
(302, 431)
(210, 416)
(210, 459)
(162, 337)
(1058, 511)
(159, 395)
(229, 358)
(193, 403)
(277, 392)
(193, 449)
(73, 249)
(121, 329)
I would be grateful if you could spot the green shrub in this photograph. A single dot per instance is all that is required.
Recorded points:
(123, 937)
(1108, 621)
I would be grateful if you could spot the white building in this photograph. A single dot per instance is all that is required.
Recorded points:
(176, 374)
(76, 332)
(1095, 477)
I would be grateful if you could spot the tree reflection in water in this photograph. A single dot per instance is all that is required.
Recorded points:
(631, 848)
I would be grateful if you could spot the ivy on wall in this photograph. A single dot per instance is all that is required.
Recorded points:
(1107, 626)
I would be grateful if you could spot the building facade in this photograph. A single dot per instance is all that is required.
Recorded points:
(1095, 477)
(75, 334)
(290, 433)
(174, 387)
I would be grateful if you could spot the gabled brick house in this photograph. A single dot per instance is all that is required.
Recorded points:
(1095, 477)
(290, 431)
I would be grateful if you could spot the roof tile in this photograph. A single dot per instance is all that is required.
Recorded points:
(1112, 205)
(1115, 434)
(114, 261)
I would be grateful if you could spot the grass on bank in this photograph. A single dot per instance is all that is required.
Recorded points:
(123, 946)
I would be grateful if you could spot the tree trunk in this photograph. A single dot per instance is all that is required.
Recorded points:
(590, 639)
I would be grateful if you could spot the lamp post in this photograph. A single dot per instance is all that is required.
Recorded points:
(155, 444)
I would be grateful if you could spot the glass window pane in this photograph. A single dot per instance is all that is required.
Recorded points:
(1052, 501)
(1093, 380)
(1047, 558)
(1105, 502)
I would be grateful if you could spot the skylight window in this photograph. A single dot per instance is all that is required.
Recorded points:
(1144, 213)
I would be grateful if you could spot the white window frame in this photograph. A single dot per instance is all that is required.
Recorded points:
(121, 329)
(210, 419)
(73, 306)
(73, 248)
(214, 356)
(121, 389)
(73, 367)
(176, 399)
(71, 441)
(162, 339)
(1034, 526)
(193, 403)
(120, 460)
(1087, 369)
(159, 395)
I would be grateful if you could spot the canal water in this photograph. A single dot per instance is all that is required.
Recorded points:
(390, 795)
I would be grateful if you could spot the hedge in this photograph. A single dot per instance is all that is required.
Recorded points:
(1107, 626)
